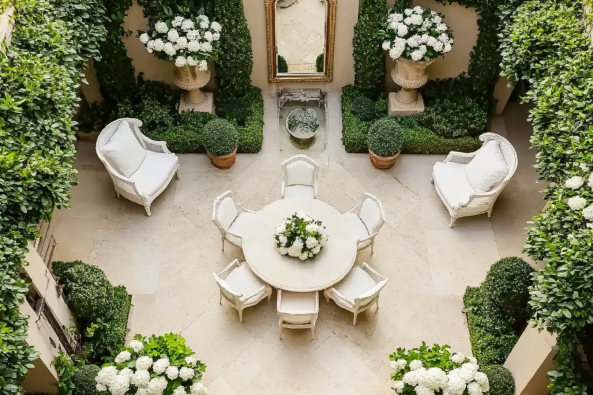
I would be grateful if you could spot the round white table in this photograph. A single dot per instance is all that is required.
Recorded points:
(291, 274)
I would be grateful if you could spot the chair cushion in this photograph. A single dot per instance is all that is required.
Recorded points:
(299, 191)
(357, 283)
(239, 227)
(242, 280)
(487, 168)
(226, 212)
(370, 214)
(124, 151)
(300, 172)
(451, 181)
(297, 302)
(152, 174)
(357, 227)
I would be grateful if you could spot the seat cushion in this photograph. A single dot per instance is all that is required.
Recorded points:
(487, 168)
(357, 283)
(299, 191)
(357, 227)
(243, 281)
(152, 174)
(297, 307)
(239, 227)
(451, 181)
(124, 151)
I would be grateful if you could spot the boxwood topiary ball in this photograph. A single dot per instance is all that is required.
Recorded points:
(500, 379)
(364, 109)
(220, 137)
(84, 380)
(386, 137)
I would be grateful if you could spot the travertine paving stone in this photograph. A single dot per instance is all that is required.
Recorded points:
(166, 262)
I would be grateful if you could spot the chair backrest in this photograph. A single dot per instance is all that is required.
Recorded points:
(108, 132)
(227, 291)
(224, 210)
(371, 213)
(300, 170)
(508, 152)
(369, 296)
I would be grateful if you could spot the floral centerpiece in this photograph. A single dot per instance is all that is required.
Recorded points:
(416, 34)
(300, 236)
(429, 370)
(153, 366)
(189, 43)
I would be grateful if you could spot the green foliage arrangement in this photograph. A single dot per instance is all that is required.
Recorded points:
(386, 137)
(366, 109)
(84, 380)
(220, 137)
(320, 63)
(39, 77)
(282, 65)
(66, 369)
(498, 310)
(369, 57)
(500, 379)
(100, 309)
(455, 116)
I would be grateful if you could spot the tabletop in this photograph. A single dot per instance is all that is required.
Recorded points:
(291, 274)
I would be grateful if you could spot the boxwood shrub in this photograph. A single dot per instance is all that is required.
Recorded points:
(386, 137)
(100, 309)
(500, 379)
(84, 380)
(455, 116)
(247, 113)
(220, 137)
(282, 65)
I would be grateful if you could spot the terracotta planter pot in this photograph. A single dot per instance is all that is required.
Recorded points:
(381, 162)
(223, 162)
(191, 79)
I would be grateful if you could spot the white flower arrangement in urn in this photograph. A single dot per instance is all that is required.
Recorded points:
(189, 43)
(300, 236)
(153, 366)
(436, 370)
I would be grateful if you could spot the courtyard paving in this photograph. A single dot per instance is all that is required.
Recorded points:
(166, 261)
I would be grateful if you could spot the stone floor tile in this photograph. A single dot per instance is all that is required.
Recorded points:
(397, 200)
(220, 387)
(142, 319)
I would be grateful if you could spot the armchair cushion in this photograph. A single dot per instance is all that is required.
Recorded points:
(358, 228)
(297, 307)
(154, 171)
(487, 168)
(370, 214)
(124, 151)
(227, 212)
(242, 281)
(451, 181)
(357, 283)
(299, 191)
(239, 226)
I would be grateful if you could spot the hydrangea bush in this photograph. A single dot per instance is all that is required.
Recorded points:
(153, 366)
(186, 42)
(415, 33)
(429, 370)
(300, 236)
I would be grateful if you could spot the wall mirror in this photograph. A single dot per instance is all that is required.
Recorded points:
(301, 35)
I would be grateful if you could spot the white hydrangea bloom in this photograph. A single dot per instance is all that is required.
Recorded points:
(468, 372)
(317, 249)
(142, 391)
(474, 389)
(159, 45)
(169, 49)
(143, 363)
(397, 17)
(417, 55)
(457, 357)
(386, 45)
(283, 251)
(172, 372)
(106, 375)
(402, 30)
(304, 255)
(411, 378)
(447, 48)
(173, 35)
(408, 21)
(208, 36)
(193, 35)
(472, 360)
(424, 38)
(421, 390)
(180, 61)
(574, 182)
(119, 385)
(182, 42)
(198, 389)
(215, 26)
(436, 19)
(416, 364)
(409, 11)
(438, 46)
(122, 357)
(414, 41)
(203, 18)
(481, 378)
(455, 385)
(126, 372)
(418, 9)
(144, 38)
(187, 25)
(101, 388)
(177, 21)
(417, 19)
(157, 385)
(311, 242)
(160, 365)
(216, 36)
(584, 167)
(283, 240)
(191, 62)
(398, 386)
(193, 46)
(204, 25)
(577, 203)
(394, 25)
(588, 213)
(179, 391)
(161, 27)
(206, 47)
(441, 27)
(312, 228)
(589, 181)
(186, 373)
(433, 379)
(136, 345)
(324, 238)
(444, 38)
(141, 378)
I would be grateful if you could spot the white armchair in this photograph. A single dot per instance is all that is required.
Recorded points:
(299, 177)
(140, 168)
(469, 183)
(297, 310)
(358, 291)
(240, 287)
(231, 218)
(365, 220)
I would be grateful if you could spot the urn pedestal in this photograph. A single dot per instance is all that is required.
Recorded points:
(410, 75)
(191, 79)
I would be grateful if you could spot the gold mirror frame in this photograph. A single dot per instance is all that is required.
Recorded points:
(330, 32)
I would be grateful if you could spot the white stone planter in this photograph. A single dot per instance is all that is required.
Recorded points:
(191, 79)
(410, 75)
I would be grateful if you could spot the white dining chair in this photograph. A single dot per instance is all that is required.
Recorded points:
(231, 218)
(299, 177)
(365, 221)
(297, 310)
(240, 287)
(358, 291)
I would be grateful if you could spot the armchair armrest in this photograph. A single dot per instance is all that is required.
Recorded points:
(459, 157)
(245, 209)
(341, 297)
(369, 237)
(371, 272)
(155, 146)
(228, 269)
(260, 290)
(124, 180)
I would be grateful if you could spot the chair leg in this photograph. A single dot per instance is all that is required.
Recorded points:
(354, 321)
(490, 212)
(453, 219)
(147, 208)
(326, 298)
(222, 243)
(372, 246)
(220, 299)
(269, 296)
(280, 329)
(377, 303)
(241, 315)
(117, 194)
(313, 333)
(178, 172)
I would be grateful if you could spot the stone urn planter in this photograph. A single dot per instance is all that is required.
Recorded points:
(191, 79)
(410, 75)
(382, 163)
(223, 162)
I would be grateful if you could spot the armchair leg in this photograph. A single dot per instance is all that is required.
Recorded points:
(220, 299)
(147, 208)
(313, 333)
(354, 321)
(280, 329)
(490, 212)
(178, 172)
(117, 194)
(372, 247)
(453, 219)
(241, 315)
(222, 243)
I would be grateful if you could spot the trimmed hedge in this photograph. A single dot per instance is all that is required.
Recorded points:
(500, 379)
(282, 65)
(96, 305)
(251, 130)
(320, 63)
(84, 380)
(497, 311)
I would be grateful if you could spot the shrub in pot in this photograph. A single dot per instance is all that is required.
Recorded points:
(220, 138)
(385, 141)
